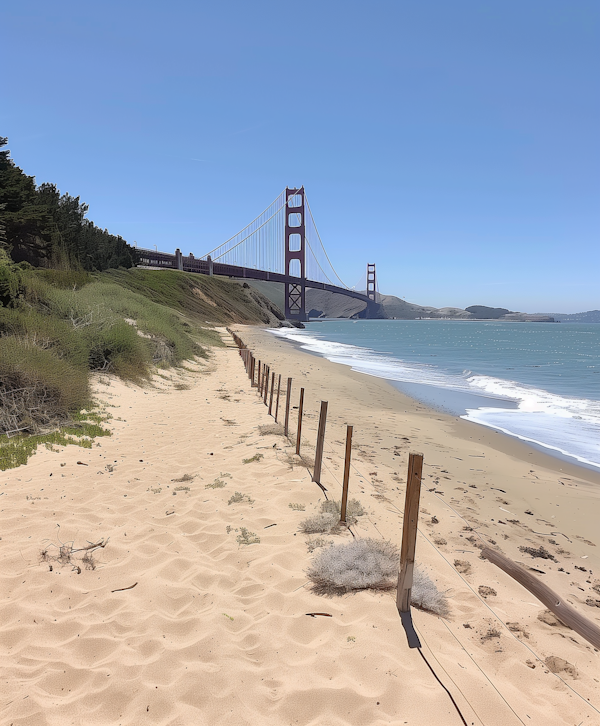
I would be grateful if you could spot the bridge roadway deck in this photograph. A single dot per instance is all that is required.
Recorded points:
(164, 260)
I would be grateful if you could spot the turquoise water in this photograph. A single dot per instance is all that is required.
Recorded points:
(539, 382)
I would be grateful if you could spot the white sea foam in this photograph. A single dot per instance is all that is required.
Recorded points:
(568, 425)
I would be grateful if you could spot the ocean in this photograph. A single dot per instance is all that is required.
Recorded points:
(539, 382)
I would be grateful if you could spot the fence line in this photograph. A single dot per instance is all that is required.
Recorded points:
(249, 360)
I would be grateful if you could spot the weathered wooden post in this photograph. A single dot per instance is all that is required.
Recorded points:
(272, 390)
(266, 386)
(277, 403)
(299, 432)
(409, 531)
(288, 394)
(252, 371)
(320, 442)
(344, 504)
(259, 378)
(567, 614)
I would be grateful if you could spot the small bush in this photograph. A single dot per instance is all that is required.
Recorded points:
(354, 508)
(217, 484)
(185, 477)
(45, 331)
(37, 388)
(329, 518)
(319, 523)
(370, 564)
(316, 542)
(119, 349)
(239, 497)
(357, 565)
(425, 595)
(296, 507)
(246, 537)
(256, 457)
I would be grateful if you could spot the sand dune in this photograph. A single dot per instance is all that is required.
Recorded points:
(215, 631)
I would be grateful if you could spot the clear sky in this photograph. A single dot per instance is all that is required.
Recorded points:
(453, 142)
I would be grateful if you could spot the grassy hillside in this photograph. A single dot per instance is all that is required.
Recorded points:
(56, 327)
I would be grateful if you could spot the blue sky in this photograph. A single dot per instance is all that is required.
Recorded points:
(454, 143)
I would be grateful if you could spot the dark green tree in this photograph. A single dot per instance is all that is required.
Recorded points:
(40, 226)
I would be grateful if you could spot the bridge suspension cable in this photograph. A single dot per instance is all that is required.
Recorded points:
(260, 245)
(312, 235)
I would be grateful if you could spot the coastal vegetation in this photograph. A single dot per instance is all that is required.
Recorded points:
(45, 228)
(71, 304)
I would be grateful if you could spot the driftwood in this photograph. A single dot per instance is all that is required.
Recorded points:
(563, 611)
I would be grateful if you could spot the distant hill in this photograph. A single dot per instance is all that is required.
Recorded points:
(591, 316)
(324, 304)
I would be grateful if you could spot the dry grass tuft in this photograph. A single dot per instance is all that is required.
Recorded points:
(319, 523)
(299, 460)
(370, 564)
(238, 497)
(354, 508)
(217, 484)
(65, 553)
(314, 543)
(426, 596)
(246, 537)
(185, 477)
(327, 521)
(275, 429)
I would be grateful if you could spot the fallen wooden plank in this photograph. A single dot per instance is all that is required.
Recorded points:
(563, 611)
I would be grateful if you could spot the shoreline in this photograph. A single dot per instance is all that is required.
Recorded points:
(456, 403)
(505, 443)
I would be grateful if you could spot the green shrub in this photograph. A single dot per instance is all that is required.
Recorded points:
(66, 279)
(37, 387)
(45, 331)
(119, 349)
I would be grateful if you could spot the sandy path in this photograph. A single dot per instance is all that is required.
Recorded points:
(215, 632)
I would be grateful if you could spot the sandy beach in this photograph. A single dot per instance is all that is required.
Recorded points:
(178, 620)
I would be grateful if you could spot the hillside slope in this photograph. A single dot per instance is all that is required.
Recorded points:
(56, 327)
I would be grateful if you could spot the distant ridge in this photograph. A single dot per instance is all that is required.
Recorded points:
(591, 316)
(324, 304)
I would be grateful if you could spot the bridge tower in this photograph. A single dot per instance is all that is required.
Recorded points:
(371, 282)
(295, 256)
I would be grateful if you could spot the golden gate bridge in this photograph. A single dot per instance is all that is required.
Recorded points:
(281, 245)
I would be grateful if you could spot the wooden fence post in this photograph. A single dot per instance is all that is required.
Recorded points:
(299, 432)
(266, 386)
(320, 441)
(259, 379)
(277, 403)
(272, 390)
(344, 504)
(252, 371)
(287, 407)
(409, 531)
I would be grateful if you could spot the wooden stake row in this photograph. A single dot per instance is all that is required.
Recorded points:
(568, 615)
(265, 382)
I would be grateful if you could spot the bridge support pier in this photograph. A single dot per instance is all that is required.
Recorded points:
(178, 259)
(374, 310)
(295, 256)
